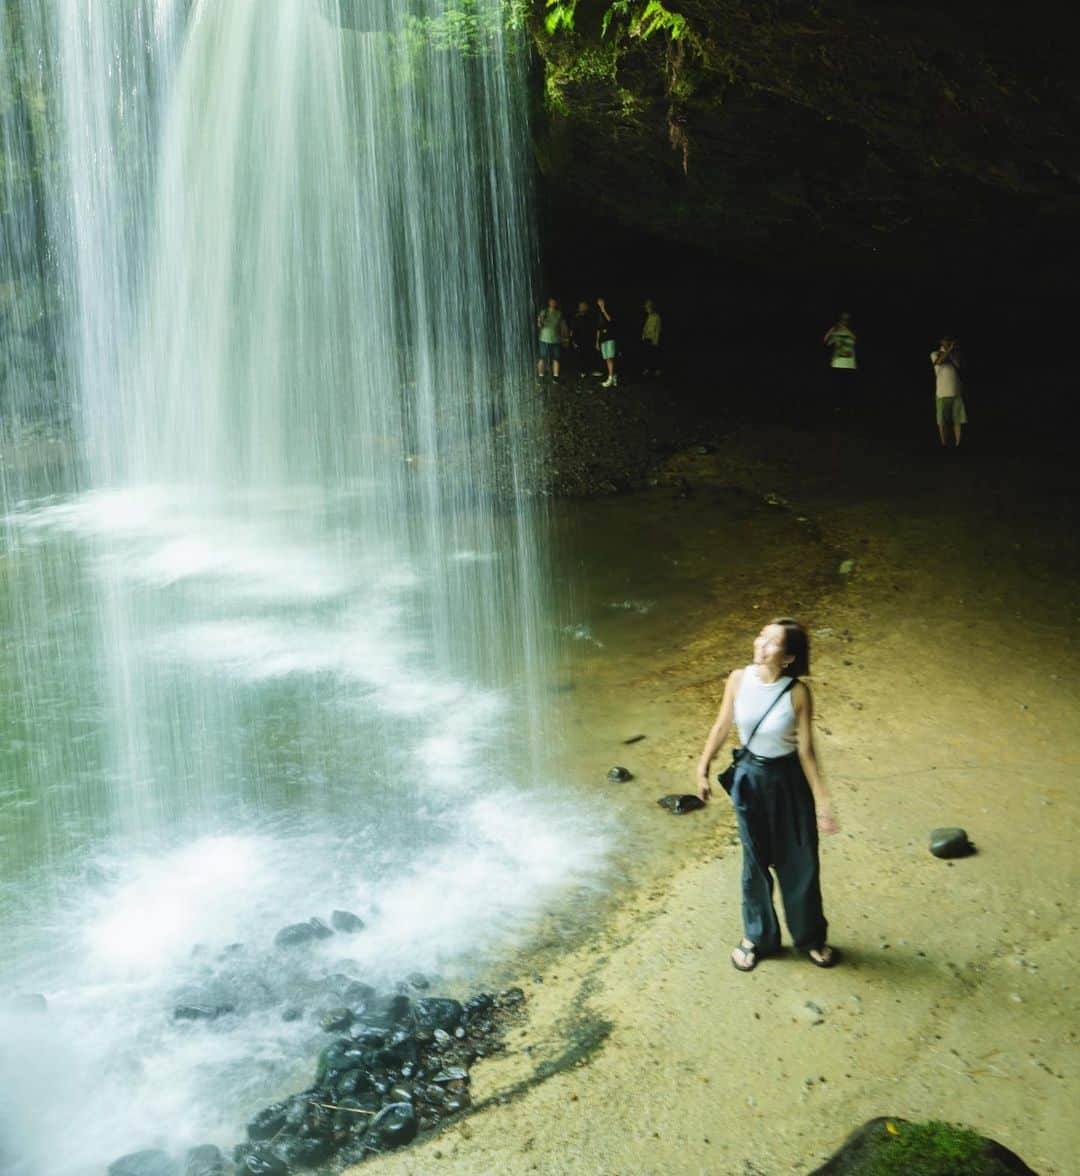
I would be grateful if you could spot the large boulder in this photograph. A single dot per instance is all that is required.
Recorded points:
(895, 1147)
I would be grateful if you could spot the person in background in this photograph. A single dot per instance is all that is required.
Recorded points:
(650, 340)
(840, 337)
(582, 330)
(550, 323)
(948, 390)
(779, 797)
(605, 341)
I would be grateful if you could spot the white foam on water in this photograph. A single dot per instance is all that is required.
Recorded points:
(147, 926)
(162, 536)
(450, 868)
(108, 1069)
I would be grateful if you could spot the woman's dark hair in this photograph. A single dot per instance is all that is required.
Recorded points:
(796, 645)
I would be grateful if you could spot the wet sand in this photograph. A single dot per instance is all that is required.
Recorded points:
(942, 674)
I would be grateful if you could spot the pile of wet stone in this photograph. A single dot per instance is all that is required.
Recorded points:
(397, 1065)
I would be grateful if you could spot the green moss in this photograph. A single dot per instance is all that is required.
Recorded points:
(929, 1149)
(589, 65)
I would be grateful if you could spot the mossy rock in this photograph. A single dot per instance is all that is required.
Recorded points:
(895, 1147)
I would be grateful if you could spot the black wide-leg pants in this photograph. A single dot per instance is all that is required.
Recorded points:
(778, 828)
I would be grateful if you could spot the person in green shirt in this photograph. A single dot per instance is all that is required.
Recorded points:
(552, 328)
(841, 338)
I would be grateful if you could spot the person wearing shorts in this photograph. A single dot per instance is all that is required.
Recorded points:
(605, 342)
(551, 325)
(948, 391)
(650, 340)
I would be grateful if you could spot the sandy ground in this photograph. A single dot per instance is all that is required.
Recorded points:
(946, 695)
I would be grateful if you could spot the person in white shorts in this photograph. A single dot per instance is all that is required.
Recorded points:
(948, 390)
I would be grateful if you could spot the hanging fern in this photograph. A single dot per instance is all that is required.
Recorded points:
(641, 20)
(653, 18)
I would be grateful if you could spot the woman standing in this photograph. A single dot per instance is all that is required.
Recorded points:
(780, 800)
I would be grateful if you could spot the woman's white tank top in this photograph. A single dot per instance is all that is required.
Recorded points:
(776, 736)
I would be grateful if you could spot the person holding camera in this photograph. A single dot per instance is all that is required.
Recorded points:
(605, 341)
(948, 390)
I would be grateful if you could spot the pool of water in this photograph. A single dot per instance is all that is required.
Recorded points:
(220, 719)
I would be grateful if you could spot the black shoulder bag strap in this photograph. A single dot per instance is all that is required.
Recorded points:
(746, 745)
(727, 777)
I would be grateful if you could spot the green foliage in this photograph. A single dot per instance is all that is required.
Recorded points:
(560, 15)
(929, 1149)
(588, 64)
(640, 19)
(645, 21)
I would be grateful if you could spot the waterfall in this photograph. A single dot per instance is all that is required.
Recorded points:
(275, 612)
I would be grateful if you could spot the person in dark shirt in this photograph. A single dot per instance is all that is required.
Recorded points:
(582, 333)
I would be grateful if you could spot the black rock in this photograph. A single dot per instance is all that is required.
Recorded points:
(295, 935)
(369, 1036)
(478, 1005)
(358, 996)
(867, 1149)
(401, 1050)
(686, 803)
(206, 1160)
(346, 922)
(150, 1162)
(305, 1153)
(318, 1120)
(350, 1120)
(619, 775)
(320, 928)
(438, 1012)
(340, 1057)
(419, 981)
(391, 1011)
(511, 998)
(357, 1086)
(260, 1161)
(393, 1126)
(950, 843)
(451, 1074)
(335, 1020)
(354, 1115)
(337, 982)
(268, 1122)
(292, 1013)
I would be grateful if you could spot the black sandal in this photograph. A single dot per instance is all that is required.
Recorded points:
(750, 954)
(830, 960)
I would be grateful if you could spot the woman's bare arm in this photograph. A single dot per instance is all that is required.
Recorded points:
(804, 730)
(720, 731)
